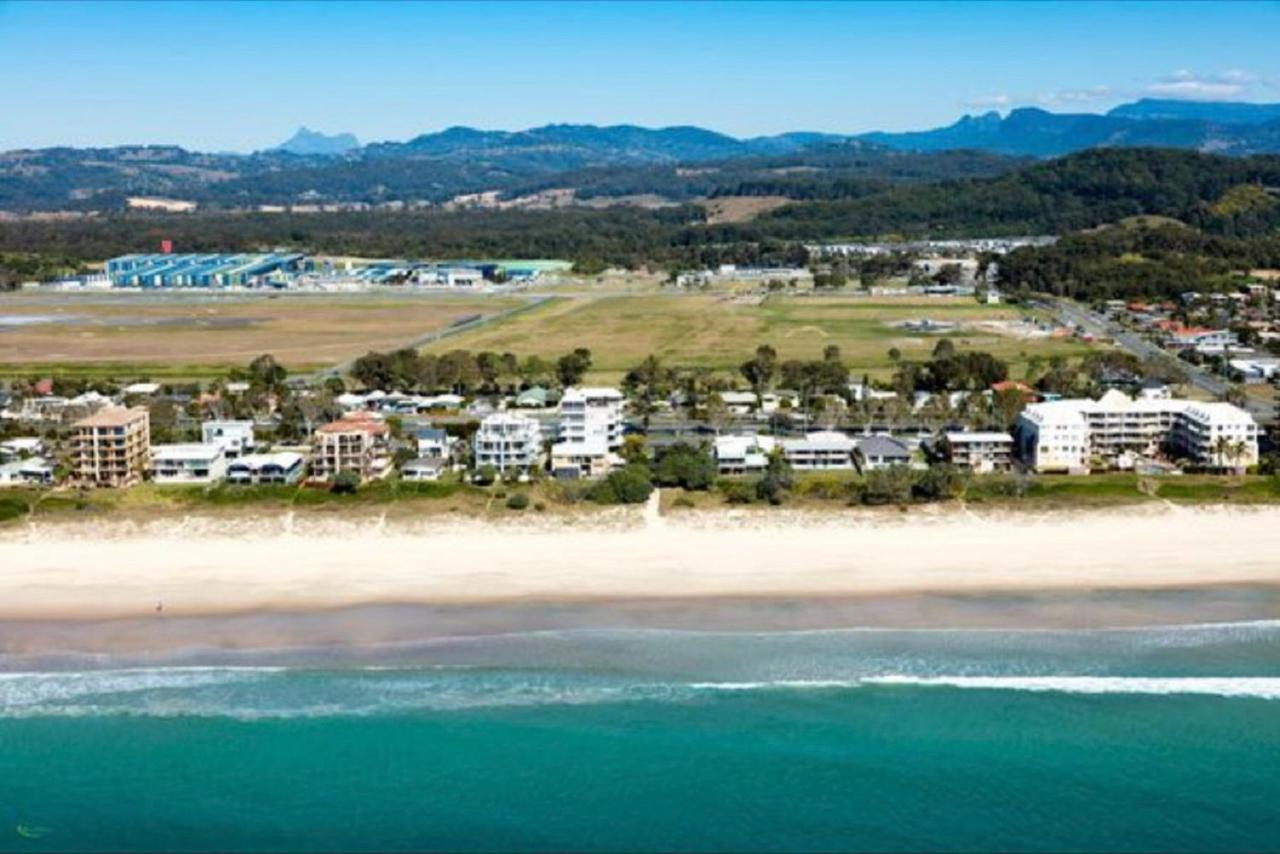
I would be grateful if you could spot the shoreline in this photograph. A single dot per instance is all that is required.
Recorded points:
(220, 566)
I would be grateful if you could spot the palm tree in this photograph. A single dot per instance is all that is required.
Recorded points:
(1221, 447)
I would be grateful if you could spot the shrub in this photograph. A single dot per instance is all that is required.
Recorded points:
(825, 486)
(345, 483)
(539, 507)
(940, 483)
(682, 501)
(630, 485)
(776, 480)
(685, 466)
(485, 475)
(888, 486)
(737, 491)
(13, 508)
(517, 501)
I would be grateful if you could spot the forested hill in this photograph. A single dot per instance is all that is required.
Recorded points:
(443, 166)
(1222, 195)
(582, 162)
(1223, 209)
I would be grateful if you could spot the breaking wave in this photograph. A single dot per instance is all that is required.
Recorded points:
(1263, 687)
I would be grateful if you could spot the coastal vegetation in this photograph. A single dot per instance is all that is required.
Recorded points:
(820, 492)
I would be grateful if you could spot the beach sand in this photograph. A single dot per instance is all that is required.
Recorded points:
(204, 567)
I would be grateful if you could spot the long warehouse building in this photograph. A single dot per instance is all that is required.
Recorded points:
(201, 271)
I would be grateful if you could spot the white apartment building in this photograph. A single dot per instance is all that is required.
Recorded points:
(188, 464)
(508, 442)
(822, 450)
(586, 412)
(281, 467)
(981, 451)
(235, 437)
(1053, 437)
(1216, 434)
(1116, 430)
(742, 454)
(590, 430)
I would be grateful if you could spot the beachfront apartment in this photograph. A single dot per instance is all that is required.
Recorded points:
(280, 467)
(509, 442)
(235, 437)
(819, 451)
(736, 455)
(111, 447)
(591, 412)
(1053, 438)
(1218, 435)
(188, 464)
(1116, 431)
(357, 442)
(980, 451)
(589, 431)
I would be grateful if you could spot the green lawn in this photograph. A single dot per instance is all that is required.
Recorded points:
(713, 332)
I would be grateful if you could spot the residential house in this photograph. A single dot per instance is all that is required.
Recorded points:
(739, 402)
(820, 450)
(111, 447)
(188, 464)
(737, 455)
(882, 452)
(423, 469)
(22, 447)
(980, 451)
(533, 398)
(280, 467)
(28, 471)
(433, 443)
(235, 437)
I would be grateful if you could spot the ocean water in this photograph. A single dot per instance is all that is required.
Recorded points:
(1138, 739)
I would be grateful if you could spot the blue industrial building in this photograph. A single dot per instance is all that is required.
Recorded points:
(202, 271)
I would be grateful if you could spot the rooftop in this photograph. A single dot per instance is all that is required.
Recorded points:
(114, 416)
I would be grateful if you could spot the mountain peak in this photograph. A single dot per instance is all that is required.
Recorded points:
(307, 141)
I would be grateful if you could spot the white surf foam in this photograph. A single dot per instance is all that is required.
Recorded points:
(1263, 687)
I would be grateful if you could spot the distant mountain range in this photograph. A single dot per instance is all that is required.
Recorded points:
(1221, 127)
(670, 164)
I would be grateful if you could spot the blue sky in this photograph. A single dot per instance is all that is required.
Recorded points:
(244, 75)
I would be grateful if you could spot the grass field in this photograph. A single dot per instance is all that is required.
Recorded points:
(195, 335)
(710, 331)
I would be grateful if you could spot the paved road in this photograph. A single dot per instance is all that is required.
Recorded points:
(1097, 325)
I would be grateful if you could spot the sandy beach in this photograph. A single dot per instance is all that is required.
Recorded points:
(205, 567)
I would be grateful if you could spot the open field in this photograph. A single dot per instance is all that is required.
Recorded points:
(741, 208)
(714, 332)
(192, 334)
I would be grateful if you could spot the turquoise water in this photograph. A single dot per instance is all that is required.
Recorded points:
(1135, 740)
